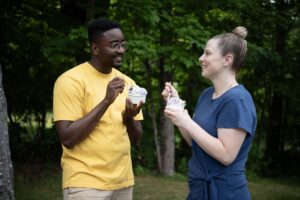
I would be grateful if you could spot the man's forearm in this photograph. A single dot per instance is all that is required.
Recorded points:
(73, 132)
(134, 129)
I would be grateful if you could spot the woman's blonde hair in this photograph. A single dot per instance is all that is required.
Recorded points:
(234, 43)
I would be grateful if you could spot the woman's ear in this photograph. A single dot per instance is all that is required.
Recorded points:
(228, 60)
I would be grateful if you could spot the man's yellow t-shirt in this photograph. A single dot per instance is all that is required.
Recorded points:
(103, 159)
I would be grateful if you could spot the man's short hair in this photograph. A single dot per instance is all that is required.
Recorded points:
(97, 27)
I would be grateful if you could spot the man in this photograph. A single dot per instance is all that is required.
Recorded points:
(96, 121)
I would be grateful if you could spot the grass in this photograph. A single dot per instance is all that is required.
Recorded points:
(38, 185)
(149, 187)
(47, 186)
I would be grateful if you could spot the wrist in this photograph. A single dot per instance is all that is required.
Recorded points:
(126, 118)
(106, 102)
(186, 124)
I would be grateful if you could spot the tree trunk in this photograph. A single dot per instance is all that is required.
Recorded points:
(6, 169)
(153, 115)
(276, 130)
(167, 145)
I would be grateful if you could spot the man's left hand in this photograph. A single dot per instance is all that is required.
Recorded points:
(131, 110)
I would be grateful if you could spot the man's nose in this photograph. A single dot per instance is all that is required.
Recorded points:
(121, 50)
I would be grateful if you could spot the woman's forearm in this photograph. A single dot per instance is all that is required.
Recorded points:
(186, 136)
(211, 145)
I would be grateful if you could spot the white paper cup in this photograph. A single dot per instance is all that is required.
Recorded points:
(137, 98)
(175, 107)
(175, 103)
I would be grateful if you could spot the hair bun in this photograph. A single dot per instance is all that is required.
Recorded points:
(240, 31)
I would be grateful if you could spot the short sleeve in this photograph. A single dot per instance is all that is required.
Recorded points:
(67, 99)
(236, 114)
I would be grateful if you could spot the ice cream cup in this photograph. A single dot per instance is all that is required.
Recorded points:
(176, 103)
(137, 94)
(137, 98)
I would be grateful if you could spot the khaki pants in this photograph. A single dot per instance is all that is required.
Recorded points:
(94, 194)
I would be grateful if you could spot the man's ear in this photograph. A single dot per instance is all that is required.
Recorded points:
(95, 49)
(228, 60)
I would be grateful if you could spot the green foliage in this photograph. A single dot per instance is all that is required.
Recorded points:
(27, 149)
(67, 51)
(42, 39)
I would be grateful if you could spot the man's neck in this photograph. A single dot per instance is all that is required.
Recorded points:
(99, 67)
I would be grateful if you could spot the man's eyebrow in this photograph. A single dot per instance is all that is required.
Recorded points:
(112, 41)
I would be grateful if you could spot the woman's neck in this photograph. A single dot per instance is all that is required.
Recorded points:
(224, 84)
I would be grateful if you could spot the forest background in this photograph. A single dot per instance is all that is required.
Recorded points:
(40, 39)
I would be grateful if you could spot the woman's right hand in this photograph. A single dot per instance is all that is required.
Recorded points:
(169, 91)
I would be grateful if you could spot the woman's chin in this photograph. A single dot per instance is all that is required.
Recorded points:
(204, 74)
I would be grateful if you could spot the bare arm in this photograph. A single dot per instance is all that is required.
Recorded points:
(73, 132)
(134, 128)
(224, 148)
(186, 136)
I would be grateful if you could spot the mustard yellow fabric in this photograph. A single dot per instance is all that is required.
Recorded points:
(102, 160)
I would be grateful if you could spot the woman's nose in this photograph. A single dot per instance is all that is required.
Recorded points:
(201, 58)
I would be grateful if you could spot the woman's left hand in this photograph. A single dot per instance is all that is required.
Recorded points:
(178, 117)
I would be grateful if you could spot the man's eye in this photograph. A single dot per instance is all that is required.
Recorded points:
(114, 45)
(124, 45)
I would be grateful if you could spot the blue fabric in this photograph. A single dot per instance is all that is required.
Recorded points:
(208, 178)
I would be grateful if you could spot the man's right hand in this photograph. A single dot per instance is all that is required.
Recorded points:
(114, 88)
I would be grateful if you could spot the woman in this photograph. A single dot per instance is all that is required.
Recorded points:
(223, 124)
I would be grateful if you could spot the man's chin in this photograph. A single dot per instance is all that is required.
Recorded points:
(118, 65)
